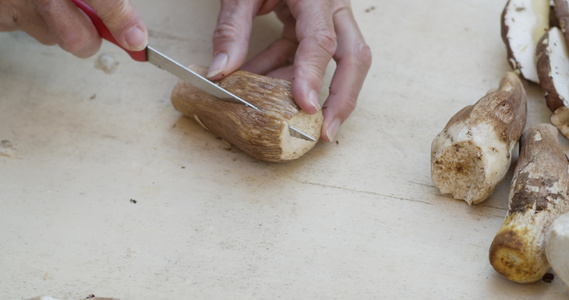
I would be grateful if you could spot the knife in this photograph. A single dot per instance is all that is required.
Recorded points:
(165, 63)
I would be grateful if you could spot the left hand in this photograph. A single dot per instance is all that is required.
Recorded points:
(314, 33)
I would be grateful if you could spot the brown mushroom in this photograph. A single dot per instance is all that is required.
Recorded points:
(538, 195)
(553, 68)
(472, 154)
(263, 134)
(523, 23)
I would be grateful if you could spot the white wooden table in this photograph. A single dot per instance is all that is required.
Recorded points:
(356, 219)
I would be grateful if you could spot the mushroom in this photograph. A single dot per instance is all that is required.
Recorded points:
(472, 154)
(538, 194)
(553, 68)
(523, 23)
(557, 247)
(263, 134)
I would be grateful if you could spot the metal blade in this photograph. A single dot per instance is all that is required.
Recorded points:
(299, 134)
(165, 63)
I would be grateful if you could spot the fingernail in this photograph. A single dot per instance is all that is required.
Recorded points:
(135, 38)
(218, 64)
(313, 100)
(332, 130)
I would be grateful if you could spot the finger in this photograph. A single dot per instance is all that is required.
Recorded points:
(22, 15)
(285, 73)
(231, 37)
(123, 22)
(70, 28)
(268, 6)
(353, 58)
(317, 44)
(278, 54)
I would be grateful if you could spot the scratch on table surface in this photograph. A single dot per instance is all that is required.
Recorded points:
(475, 209)
(361, 191)
(422, 184)
(488, 211)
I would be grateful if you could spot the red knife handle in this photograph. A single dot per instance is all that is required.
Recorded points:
(105, 33)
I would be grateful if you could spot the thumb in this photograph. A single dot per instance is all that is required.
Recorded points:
(231, 37)
(123, 22)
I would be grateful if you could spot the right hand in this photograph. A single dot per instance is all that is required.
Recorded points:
(60, 22)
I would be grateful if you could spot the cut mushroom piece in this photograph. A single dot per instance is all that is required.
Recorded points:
(523, 24)
(557, 247)
(472, 154)
(553, 68)
(263, 134)
(538, 195)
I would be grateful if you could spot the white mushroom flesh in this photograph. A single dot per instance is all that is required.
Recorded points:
(527, 21)
(559, 60)
(557, 247)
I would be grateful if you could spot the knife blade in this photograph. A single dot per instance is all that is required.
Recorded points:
(163, 62)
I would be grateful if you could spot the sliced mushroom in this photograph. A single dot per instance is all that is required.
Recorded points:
(553, 68)
(523, 24)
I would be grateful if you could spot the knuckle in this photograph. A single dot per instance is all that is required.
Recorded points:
(72, 43)
(350, 104)
(327, 40)
(363, 54)
(349, 100)
(114, 12)
(359, 54)
(226, 31)
(9, 16)
(78, 44)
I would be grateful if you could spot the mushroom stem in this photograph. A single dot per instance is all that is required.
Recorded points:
(262, 134)
(538, 195)
(472, 154)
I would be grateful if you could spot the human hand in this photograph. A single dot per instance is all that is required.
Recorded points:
(60, 22)
(314, 33)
